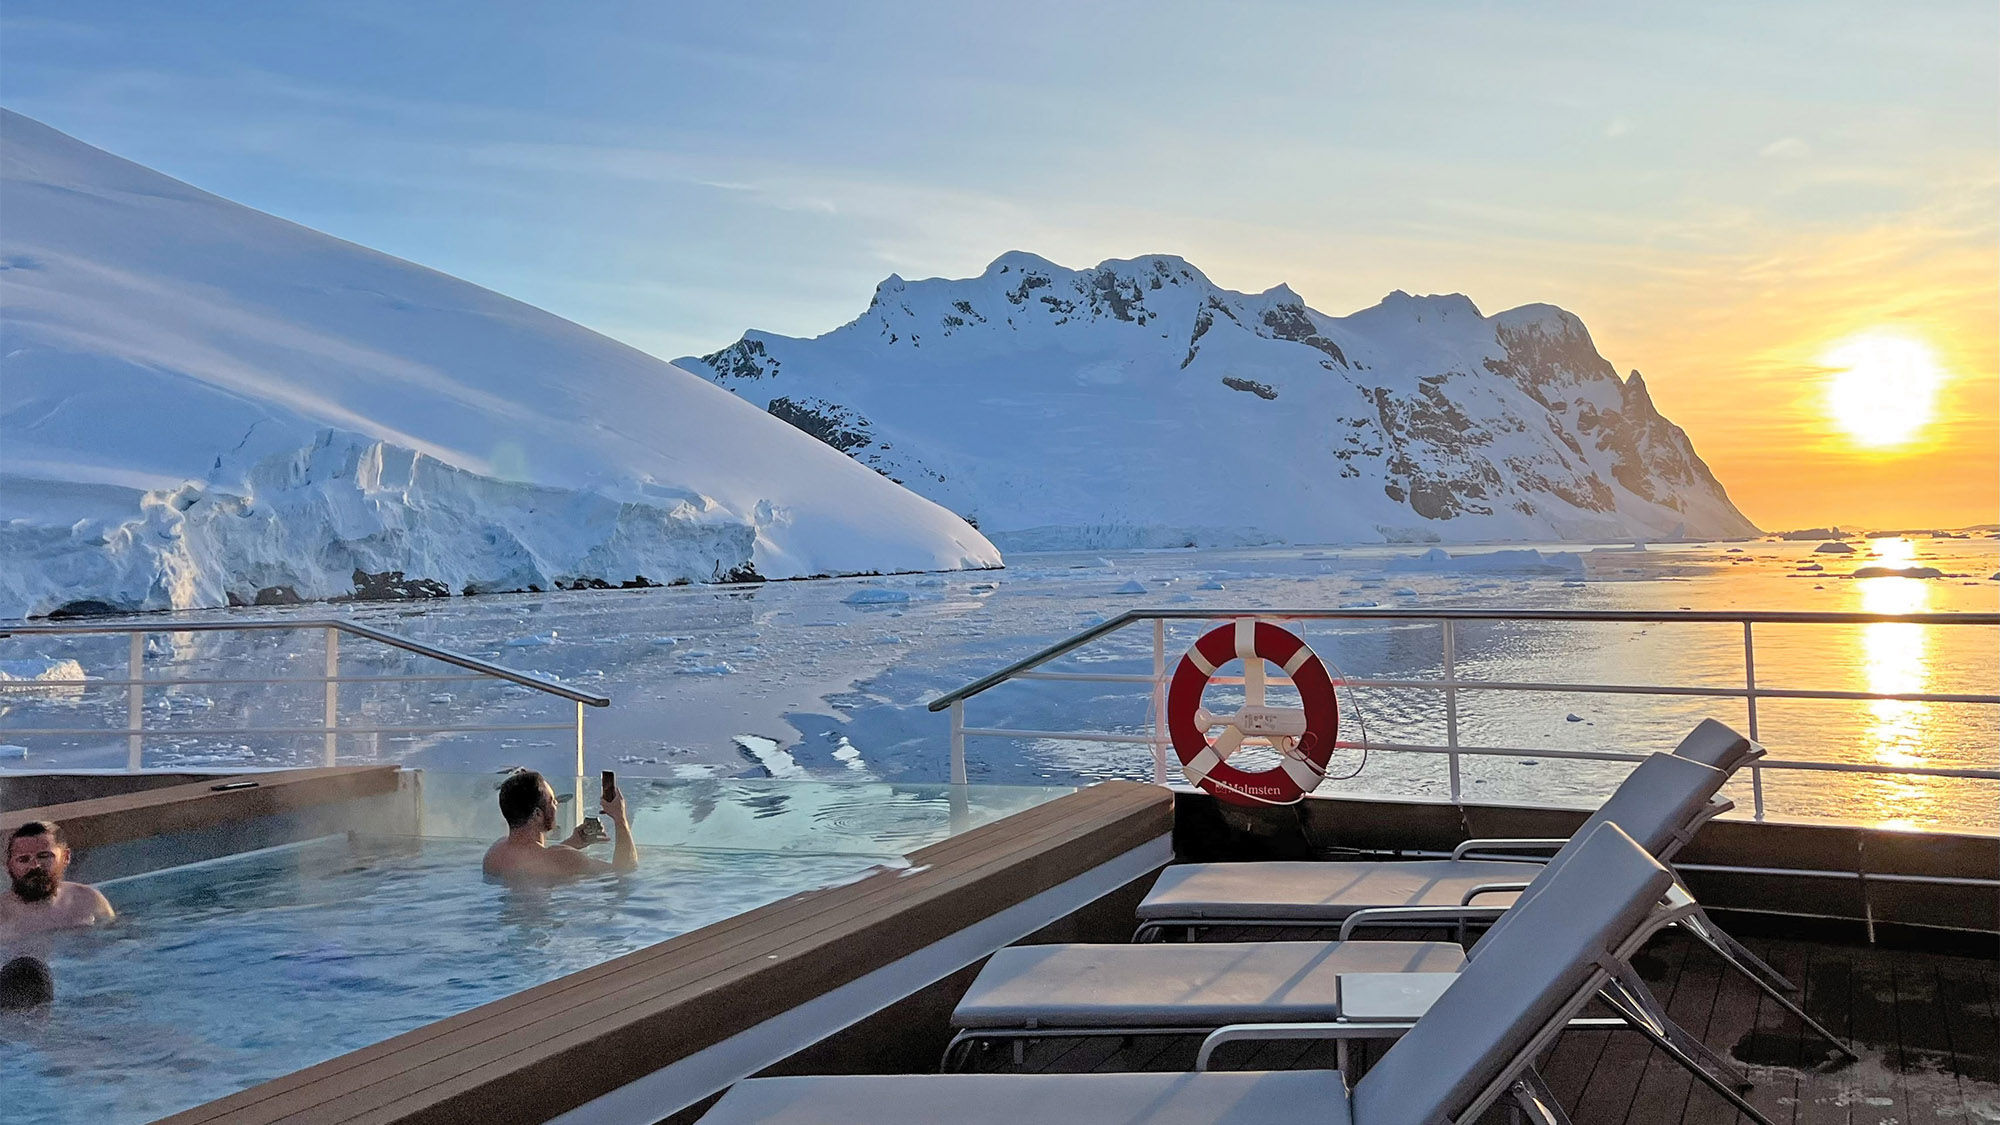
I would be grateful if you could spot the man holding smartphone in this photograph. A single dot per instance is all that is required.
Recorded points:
(523, 855)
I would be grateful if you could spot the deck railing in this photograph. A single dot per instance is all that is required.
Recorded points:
(1450, 684)
(324, 688)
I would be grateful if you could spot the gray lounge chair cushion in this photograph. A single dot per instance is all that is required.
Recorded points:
(1305, 891)
(1715, 745)
(1656, 804)
(1198, 985)
(1526, 976)
(1659, 804)
(1318, 1097)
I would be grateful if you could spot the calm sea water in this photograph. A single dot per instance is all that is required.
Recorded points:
(699, 674)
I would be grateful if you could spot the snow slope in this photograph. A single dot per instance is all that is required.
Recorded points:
(200, 403)
(1138, 404)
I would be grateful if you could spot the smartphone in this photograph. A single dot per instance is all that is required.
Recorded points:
(610, 787)
(593, 829)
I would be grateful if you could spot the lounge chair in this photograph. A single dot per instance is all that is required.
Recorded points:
(1294, 894)
(1475, 1044)
(1045, 991)
(1304, 894)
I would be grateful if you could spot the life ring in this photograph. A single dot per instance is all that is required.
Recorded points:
(1304, 738)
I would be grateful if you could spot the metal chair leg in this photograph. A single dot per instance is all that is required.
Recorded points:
(1535, 1102)
(1708, 936)
(1631, 999)
(1702, 926)
(1694, 1067)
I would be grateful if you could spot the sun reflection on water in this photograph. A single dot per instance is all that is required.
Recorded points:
(1895, 658)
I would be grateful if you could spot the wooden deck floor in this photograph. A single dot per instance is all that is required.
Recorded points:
(1927, 1027)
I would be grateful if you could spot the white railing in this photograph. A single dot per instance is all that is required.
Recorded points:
(324, 688)
(1450, 684)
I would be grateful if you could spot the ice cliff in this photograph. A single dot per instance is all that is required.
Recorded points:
(202, 404)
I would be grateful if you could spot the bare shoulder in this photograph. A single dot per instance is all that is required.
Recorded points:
(91, 905)
(500, 860)
(513, 862)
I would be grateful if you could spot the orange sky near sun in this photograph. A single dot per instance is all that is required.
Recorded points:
(1742, 373)
(1728, 315)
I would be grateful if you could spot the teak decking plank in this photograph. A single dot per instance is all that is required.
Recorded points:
(1705, 1003)
(663, 957)
(1687, 995)
(1741, 1010)
(1872, 1002)
(1925, 1040)
(1824, 1098)
(1968, 1013)
(452, 1058)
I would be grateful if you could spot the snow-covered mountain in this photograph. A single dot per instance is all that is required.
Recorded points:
(1139, 404)
(201, 403)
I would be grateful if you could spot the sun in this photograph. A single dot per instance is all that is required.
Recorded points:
(1882, 387)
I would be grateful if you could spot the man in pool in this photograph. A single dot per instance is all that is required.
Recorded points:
(38, 903)
(529, 805)
(39, 900)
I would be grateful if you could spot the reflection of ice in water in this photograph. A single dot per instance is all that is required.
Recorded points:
(1896, 660)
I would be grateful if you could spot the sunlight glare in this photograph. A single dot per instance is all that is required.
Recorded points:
(1883, 387)
(1896, 659)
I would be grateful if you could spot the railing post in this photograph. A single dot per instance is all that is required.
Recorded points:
(959, 799)
(958, 742)
(135, 703)
(1159, 701)
(1451, 703)
(1750, 700)
(332, 694)
(576, 806)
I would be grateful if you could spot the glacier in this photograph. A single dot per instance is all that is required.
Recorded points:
(1137, 404)
(202, 404)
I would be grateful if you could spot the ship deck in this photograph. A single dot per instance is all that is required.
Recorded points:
(1926, 1023)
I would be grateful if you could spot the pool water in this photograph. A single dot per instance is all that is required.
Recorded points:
(221, 975)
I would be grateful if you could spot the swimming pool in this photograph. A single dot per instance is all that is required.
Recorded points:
(223, 974)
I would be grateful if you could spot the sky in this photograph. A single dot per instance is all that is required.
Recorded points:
(1727, 194)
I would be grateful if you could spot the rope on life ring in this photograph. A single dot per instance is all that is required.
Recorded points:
(1304, 737)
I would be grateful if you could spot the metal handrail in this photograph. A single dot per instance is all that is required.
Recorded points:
(136, 682)
(1449, 684)
(471, 663)
(1756, 617)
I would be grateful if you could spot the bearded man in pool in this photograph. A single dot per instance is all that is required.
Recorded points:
(39, 903)
(529, 806)
(39, 900)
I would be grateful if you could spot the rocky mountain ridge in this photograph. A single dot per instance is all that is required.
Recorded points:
(1139, 404)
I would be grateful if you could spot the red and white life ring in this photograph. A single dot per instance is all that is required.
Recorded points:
(1304, 738)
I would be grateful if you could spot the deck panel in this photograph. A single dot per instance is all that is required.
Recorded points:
(1967, 1011)
(1773, 1041)
(1930, 1084)
(1691, 1004)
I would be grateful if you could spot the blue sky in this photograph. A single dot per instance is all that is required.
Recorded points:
(674, 174)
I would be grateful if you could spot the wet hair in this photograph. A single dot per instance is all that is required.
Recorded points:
(521, 797)
(47, 828)
(26, 982)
